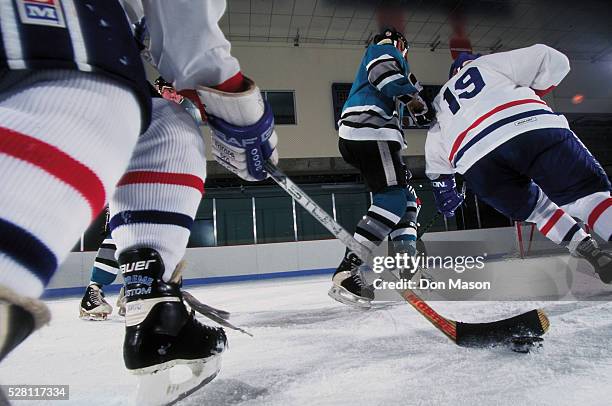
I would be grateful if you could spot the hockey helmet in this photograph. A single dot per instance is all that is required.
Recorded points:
(462, 59)
(393, 37)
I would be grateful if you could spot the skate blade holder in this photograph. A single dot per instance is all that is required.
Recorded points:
(176, 381)
(340, 294)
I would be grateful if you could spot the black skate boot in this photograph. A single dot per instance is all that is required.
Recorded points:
(160, 333)
(600, 260)
(348, 285)
(19, 317)
(93, 305)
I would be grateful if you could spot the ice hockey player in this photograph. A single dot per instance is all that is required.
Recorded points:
(70, 119)
(371, 139)
(515, 153)
(105, 268)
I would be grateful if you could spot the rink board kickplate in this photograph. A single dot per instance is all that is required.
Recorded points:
(531, 324)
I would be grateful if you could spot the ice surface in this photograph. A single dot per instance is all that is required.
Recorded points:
(309, 350)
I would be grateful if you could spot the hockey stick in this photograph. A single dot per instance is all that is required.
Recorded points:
(533, 323)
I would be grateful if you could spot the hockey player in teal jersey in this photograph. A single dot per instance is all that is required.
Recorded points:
(371, 139)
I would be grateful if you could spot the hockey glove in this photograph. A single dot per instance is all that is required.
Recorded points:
(418, 111)
(242, 125)
(446, 195)
(244, 150)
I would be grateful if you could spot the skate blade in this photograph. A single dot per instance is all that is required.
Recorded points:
(84, 315)
(343, 296)
(177, 380)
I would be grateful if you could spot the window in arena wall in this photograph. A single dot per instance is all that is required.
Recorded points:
(283, 105)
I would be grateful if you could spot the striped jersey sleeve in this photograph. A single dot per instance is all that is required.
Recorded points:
(388, 72)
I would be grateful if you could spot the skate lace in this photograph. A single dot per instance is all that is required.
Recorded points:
(95, 297)
(358, 281)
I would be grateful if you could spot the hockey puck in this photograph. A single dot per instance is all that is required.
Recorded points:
(525, 344)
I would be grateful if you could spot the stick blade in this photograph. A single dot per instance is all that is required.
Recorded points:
(531, 324)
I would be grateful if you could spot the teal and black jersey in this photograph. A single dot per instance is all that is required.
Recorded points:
(371, 112)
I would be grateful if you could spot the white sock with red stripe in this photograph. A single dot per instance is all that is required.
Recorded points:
(556, 224)
(596, 211)
(65, 139)
(157, 199)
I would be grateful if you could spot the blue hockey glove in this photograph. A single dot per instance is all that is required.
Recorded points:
(446, 195)
(244, 150)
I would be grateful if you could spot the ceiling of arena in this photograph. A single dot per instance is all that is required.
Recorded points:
(581, 29)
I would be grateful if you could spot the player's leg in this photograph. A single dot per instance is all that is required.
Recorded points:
(384, 172)
(151, 215)
(104, 271)
(580, 185)
(60, 156)
(595, 209)
(502, 180)
(403, 237)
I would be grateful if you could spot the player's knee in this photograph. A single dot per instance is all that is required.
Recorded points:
(393, 199)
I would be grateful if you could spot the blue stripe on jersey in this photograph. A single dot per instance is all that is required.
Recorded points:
(27, 250)
(488, 130)
(150, 217)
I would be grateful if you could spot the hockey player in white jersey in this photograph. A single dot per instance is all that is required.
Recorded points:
(516, 153)
(73, 101)
(94, 305)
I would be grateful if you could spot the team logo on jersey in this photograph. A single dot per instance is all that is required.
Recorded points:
(41, 12)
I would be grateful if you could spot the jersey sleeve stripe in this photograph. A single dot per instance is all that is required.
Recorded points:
(480, 119)
(388, 78)
(382, 58)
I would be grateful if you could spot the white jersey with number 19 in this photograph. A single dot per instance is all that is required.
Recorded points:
(491, 100)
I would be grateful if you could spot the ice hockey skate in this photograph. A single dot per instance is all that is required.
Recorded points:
(601, 261)
(348, 285)
(93, 305)
(162, 336)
